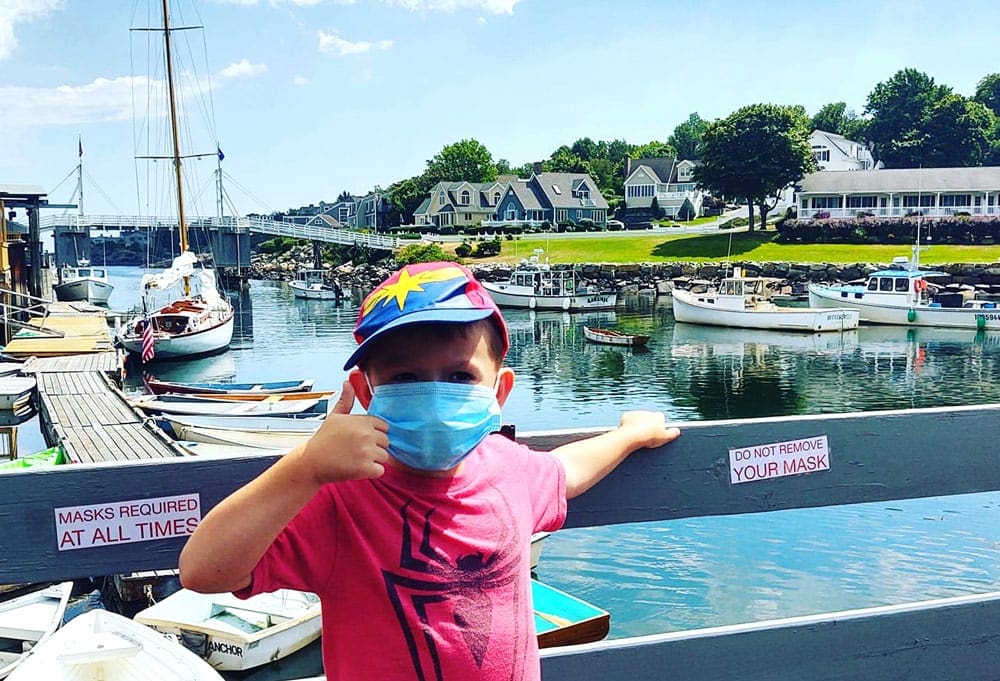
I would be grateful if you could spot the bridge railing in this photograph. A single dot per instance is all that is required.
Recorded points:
(313, 232)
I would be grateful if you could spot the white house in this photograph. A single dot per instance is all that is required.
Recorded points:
(836, 152)
(931, 192)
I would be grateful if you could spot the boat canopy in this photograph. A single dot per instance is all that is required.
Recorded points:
(181, 268)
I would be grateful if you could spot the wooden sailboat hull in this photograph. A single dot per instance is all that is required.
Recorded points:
(201, 342)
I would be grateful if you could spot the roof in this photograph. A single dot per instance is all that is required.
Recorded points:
(560, 187)
(902, 180)
(663, 167)
(525, 195)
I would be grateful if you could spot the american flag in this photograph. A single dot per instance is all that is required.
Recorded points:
(147, 340)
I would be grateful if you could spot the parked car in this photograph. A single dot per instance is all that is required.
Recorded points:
(615, 225)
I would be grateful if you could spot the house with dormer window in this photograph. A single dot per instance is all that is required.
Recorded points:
(554, 198)
(460, 204)
(665, 184)
(835, 152)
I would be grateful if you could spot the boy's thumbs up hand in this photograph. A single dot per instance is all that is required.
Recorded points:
(348, 446)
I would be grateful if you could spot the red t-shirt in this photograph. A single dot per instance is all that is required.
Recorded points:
(425, 578)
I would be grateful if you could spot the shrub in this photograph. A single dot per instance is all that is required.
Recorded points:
(463, 250)
(420, 253)
(487, 249)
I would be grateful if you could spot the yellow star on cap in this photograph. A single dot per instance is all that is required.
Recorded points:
(402, 287)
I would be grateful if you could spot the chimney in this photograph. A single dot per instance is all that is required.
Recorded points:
(538, 168)
(628, 166)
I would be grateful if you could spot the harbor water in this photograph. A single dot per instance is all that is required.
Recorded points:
(692, 573)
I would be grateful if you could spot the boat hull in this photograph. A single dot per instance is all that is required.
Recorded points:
(166, 404)
(687, 308)
(91, 290)
(233, 634)
(15, 392)
(202, 342)
(311, 292)
(265, 432)
(607, 337)
(103, 646)
(31, 618)
(506, 295)
(268, 388)
(904, 315)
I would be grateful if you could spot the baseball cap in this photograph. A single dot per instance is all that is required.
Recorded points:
(419, 294)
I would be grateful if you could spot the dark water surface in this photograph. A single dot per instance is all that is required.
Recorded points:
(692, 573)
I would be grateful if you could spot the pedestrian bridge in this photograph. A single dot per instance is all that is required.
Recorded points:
(316, 229)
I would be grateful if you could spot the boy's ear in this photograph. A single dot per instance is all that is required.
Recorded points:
(361, 390)
(505, 383)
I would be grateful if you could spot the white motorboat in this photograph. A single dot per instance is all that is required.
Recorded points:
(904, 295)
(311, 285)
(29, 619)
(539, 286)
(16, 392)
(269, 432)
(745, 302)
(234, 634)
(83, 282)
(103, 646)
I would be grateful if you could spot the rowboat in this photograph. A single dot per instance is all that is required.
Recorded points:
(611, 337)
(234, 634)
(745, 302)
(537, 541)
(28, 620)
(211, 449)
(562, 619)
(103, 646)
(15, 391)
(265, 387)
(274, 432)
(10, 368)
(274, 405)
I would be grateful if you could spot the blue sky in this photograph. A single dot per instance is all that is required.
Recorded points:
(312, 97)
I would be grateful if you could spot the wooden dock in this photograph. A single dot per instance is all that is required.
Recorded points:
(68, 348)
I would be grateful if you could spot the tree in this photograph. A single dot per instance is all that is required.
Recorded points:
(344, 196)
(755, 153)
(897, 108)
(564, 160)
(956, 132)
(988, 93)
(687, 136)
(653, 149)
(466, 160)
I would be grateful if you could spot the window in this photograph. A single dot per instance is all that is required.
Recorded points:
(956, 200)
(636, 191)
(885, 284)
(873, 284)
(862, 201)
(511, 214)
(468, 217)
(583, 193)
(821, 154)
(556, 189)
(902, 284)
(496, 198)
(915, 200)
(465, 197)
(828, 202)
(441, 198)
(561, 215)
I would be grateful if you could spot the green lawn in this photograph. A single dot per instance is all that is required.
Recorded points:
(634, 248)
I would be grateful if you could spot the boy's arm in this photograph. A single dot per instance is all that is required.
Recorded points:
(222, 552)
(587, 461)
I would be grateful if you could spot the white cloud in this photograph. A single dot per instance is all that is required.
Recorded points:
(300, 80)
(104, 99)
(488, 6)
(333, 43)
(243, 68)
(14, 12)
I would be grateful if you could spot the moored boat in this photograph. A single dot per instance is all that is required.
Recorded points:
(539, 286)
(83, 282)
(612, 337)
(562, 619)
(271, 432)
(28, 620)
(311, 285)
(905, 295)
(234, 634)
(99, 645)
(260, 388)
(16, 392)
(745, 302)
(275, 405)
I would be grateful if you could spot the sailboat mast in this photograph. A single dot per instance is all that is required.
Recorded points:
(174, 133)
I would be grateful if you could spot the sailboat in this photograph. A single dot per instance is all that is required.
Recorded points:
(200, 320)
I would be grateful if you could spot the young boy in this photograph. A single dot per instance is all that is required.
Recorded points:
(413, 522)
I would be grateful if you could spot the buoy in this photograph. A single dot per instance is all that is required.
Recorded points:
(981, 322)
(565, 304)
(531, 303)
(911, 315)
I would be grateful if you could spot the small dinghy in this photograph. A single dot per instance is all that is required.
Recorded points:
(236, 634)
(103, 646)
(158, 387)
(28, 620)
(609, 337)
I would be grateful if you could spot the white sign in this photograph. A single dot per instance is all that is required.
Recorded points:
(762, 462)
(122, 522)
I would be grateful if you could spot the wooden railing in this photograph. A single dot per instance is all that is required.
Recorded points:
(877, 456)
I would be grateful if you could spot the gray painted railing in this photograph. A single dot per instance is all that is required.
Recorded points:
(876, 456)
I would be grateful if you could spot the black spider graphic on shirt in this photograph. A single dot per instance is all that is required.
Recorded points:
(427, 577)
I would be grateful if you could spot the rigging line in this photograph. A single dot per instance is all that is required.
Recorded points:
(101, 191)
(246, 191)
(54, 189)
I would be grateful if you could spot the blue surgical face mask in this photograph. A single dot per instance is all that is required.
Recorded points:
(432, 425)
